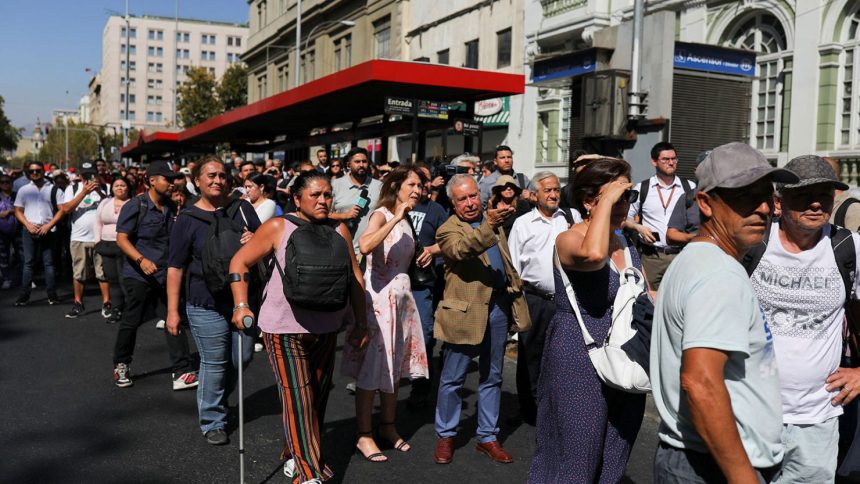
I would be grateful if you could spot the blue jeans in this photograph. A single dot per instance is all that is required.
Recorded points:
(424, 301)
(455, 363)
(218, 344)
(31, 246)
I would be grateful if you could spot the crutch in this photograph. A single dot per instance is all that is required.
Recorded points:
(247, 322)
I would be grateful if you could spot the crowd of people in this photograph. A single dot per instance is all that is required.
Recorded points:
(743, 322)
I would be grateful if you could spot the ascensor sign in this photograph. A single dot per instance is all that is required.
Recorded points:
(710, 58)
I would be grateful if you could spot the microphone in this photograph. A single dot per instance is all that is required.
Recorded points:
(363, 199)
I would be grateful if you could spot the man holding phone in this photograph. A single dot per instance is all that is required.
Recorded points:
(355, 195)
(81, 200)
(649, 216)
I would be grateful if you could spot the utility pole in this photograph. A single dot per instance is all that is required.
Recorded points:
(175, 62)
(66, 122)
(298, 41)
(126, 124)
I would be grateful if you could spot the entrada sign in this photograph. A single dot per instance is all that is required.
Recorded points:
(416, 107)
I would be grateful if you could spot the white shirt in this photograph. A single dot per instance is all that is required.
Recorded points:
(266, 210)
(531, 243)
(36, 202)
(84, 217)
(654, 216)
(803, 296)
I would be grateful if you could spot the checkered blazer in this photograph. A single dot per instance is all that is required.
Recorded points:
(461, 317)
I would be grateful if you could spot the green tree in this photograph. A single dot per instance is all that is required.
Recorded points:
(9, 136)
(83, 144)
(233, 88)
(197, 98)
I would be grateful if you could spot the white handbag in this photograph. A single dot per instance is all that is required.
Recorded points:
(612, 364)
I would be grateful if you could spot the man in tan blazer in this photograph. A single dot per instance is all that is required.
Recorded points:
(483, 299)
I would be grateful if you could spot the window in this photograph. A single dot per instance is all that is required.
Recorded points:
(132, 50)
(131, 98)
(547, 146)
(442, 57)
(183, 37)
(154, 67)
(231, 58)
(154, 83)
(131, 66)
(471, 54)
(182, 69)
(131, 84)
(154, 116)
(262, 88)
(183, 54)
(207, 39)
(234, 41)
(132, 115)
(382, 38)
(133, 33)
(343, 52)
(154, 100)
(261, 14)
(207, 55)
(848, 120)
(764, 33)
(150, 116)
(212, 71)
(307, 66)
(155, 51)
(503, 48)
(156, 34)
(283, 75)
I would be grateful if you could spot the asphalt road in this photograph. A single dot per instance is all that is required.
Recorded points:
(63, 420)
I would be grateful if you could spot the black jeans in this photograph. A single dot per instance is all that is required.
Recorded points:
(112, 266)
(140, 296)
(530, 352)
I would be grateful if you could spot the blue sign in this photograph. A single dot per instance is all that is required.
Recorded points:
(568, 65)
(711, 58)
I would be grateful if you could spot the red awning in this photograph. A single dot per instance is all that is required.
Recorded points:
(348, 96)
(155, 143)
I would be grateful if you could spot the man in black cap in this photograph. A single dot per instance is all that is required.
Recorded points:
(143, 231)
(799, 275)
(81, 201)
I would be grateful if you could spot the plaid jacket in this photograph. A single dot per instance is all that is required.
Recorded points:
(461, 317)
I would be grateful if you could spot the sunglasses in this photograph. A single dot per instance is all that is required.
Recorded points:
(33, 172)
(629, 196)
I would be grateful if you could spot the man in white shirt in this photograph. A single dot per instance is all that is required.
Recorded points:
(81, 201)
(355, 195)
(649, 216)
(802, 293)
(531, 243)
(34, 211)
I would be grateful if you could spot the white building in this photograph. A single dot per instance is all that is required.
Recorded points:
(801, 93)
(159, 51)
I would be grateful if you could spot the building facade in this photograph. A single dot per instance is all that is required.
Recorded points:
(159, 51)
(802, 94)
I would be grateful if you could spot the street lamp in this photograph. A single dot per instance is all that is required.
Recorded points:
(347, 23)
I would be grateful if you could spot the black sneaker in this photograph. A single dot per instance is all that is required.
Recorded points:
(106, 310)
(53, 299)
(77, 310)
(115, 317)
(216, 437)
(22, 300)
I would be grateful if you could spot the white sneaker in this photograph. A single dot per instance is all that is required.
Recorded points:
(185, 381)
(350, 387)
(159, 324)
(258, 347)
(290, 468)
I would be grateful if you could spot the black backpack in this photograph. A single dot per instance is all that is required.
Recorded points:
(318, 267)
(223, 240)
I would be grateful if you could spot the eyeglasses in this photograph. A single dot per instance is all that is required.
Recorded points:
(33, 172)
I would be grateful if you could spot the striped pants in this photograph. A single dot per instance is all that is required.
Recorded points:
(303, 365)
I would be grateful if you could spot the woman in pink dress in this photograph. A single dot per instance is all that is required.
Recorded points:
(396, 347)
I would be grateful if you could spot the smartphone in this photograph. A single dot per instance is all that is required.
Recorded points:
(656, 236)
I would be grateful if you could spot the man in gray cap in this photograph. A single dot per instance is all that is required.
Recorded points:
(797, 274)
(713, 369)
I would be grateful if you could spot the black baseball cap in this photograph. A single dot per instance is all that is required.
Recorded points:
(812, 170)
(163, 168)
(88, 168)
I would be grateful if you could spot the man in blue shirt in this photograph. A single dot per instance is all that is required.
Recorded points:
(143, 238)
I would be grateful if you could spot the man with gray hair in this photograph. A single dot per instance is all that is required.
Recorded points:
(804, 273)
(531, 242)
(482, 295)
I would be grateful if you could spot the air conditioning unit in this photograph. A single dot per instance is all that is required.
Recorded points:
(604, 104)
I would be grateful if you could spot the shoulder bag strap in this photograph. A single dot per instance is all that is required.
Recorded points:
(643, 194)
(842, 212)
(586, 336)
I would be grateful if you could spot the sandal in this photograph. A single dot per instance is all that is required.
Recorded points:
(375, 457)
(403, 443)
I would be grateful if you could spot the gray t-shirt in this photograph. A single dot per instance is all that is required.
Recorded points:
(706, 300)
(346, 194)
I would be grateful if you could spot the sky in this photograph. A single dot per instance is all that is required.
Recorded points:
(46, 46)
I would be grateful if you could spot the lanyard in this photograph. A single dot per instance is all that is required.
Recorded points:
(665, 203)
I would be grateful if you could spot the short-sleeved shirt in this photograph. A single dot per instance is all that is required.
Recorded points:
(427, 217)
(654, 216)
(84, 216)
(151, 238)
(685, 219)
(803, 298)
(706, 300)
(346, 194)
(187, 238)
(36, 203)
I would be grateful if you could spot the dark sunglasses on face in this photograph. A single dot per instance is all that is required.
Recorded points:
(629, 196)
(33, 172)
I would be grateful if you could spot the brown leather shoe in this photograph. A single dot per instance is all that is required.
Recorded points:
(495, 451)
(444, 450)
